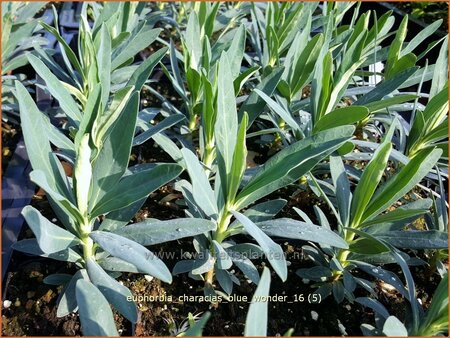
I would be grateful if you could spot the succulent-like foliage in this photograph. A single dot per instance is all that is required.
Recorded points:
(322, 90)
(20, 34)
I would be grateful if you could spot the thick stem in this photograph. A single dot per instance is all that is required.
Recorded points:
(88, 243)
(88, 247)
(222, 226)
(343, 254)
(219, 236)
(208, 157)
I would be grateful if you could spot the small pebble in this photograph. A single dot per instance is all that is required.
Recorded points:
(7, 304)
(348, 307)
(148, 278)
(17, 303)
(314, 315)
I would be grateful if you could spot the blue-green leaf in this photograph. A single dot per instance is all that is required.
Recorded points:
(96, 316)
(104, 63)
(143, 71)
(273, 251)
(201, 188)
(394, 327)
(134, 187)
(137, 42)
(402, 182)
(67, 301)
(117, 145)
(134, 253)
(226, 126)
(293, 229)
(55, 88)
(223, 261)
(117, 294)
(256, 321)
(51, 238)
(291, 163)
(416, 239)
(31, 246)
(151, 232)
(342, 186)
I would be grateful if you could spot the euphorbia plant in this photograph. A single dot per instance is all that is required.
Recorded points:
(332, 65)
(98, 199)
(20, 34)
(363, 224)
(231, 193)
(429, 128)
(419, 321)
(106, 50)
(196, 81)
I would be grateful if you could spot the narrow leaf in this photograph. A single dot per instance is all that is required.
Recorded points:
(256, 321)
(96, 316)
(134, 253)
(273, 251)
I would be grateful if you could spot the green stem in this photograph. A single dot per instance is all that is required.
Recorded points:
(222, 225)
(220, 235)
(88, 247)
(192, 122)
(208, 157)
(343, 253)
(88, 243)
